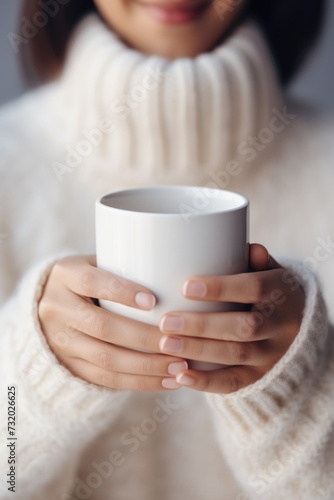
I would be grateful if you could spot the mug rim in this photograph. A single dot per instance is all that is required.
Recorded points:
(100, 202)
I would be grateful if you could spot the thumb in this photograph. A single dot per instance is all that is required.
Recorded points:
(260, 259)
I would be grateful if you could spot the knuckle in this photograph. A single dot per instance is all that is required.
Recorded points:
(245, 352)
(114, 290)
(104, 294)
(88, 281)
(100, 325)
(109, 380)
(234, 383)
(145, 338)
(60, 341)
(117, 284)
(257, 288)
(46, 307)
(201, 325)
(207, 384)
(142, 384)
(61, 266)
(85, 312)
(200, 349)
(254, 322)
(243, 329)
(71, 329)
(146, 365)
(240, 352)
(196, 350)
(104, 359)
(218, 289)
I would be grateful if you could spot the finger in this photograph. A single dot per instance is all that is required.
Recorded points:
(260, 259)
(108, 327)
(224, 381)
(230, 326)
(248, 288)
(121, 381)
(81, 277)
(118, 359)
(215, 351)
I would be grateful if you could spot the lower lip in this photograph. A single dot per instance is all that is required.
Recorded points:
(173, 15)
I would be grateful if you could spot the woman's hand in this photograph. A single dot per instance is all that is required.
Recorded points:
(250, 343)
(95, 344)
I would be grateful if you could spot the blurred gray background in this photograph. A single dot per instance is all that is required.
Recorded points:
(315, 83)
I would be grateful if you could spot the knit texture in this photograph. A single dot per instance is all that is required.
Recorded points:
(222, 97)
(254, 415)
(116, 118)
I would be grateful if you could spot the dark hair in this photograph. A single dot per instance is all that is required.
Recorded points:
(291, 27)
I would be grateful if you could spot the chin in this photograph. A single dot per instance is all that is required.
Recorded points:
(175, 47)
(177, 52)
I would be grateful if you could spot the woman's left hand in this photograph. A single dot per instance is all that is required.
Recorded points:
(248, 343)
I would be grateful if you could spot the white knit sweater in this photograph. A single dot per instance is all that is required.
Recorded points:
(117, 118)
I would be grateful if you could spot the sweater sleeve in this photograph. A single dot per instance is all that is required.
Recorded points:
(56, 414)
(278, 433)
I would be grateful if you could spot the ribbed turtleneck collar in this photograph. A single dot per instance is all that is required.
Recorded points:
(168, 116)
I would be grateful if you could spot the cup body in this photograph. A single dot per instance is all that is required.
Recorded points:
(160, 237)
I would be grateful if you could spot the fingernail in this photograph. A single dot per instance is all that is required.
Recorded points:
(195, 289)
(177, 367)
(172, 324)
(171, 345)
(170, 383)
(145, 300)
(185, 380)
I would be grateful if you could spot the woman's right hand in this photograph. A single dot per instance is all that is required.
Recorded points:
(96, 345)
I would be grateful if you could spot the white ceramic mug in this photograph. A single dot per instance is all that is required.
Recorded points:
(161, 236)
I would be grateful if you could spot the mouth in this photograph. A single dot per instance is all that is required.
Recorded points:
(175, 12)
